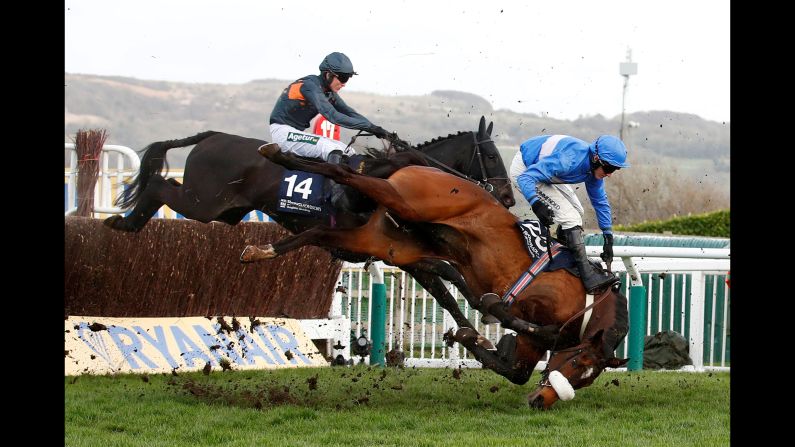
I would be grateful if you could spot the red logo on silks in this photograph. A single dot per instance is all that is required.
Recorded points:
(326, 128)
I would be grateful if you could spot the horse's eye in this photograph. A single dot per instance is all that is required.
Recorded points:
(491, 156)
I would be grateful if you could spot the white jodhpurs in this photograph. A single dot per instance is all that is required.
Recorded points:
(306, 144)
(559, 197)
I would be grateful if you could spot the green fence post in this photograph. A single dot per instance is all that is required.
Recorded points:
(637, 327)
(637, 317)
(377, 316)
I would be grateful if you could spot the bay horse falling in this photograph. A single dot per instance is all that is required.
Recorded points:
(462, 224)
(225, 179)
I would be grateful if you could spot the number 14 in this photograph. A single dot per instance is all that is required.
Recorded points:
(304, 188)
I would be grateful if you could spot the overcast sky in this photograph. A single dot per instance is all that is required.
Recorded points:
(555, 57)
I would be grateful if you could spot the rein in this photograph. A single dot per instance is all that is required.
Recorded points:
(545, 374)
(476, 153)
(582, 311)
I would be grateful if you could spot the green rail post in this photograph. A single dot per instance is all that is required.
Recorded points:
(377, 316)
(637, 317)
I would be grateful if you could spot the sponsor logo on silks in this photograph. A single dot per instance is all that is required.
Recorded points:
(302, 138)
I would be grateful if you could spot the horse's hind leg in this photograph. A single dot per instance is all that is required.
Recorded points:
(145, 207)
(159, 191)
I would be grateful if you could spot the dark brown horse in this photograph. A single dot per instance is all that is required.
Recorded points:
(464, 225)
(225, 179)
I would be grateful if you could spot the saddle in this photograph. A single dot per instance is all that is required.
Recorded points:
(535, 238)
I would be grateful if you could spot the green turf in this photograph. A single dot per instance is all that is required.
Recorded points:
(362, 406)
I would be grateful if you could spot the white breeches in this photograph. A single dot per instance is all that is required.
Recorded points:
(559, 197)
(306, 144)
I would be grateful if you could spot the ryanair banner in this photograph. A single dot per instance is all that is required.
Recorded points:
(100, 345)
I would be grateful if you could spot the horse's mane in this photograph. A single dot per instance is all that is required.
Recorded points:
(436, 140)
(387, 153)
(375, 152)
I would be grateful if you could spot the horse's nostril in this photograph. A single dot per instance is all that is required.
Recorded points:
(538, 402)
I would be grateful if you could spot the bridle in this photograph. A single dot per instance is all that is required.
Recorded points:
(545, 373)
(476, 155)
(577, 351)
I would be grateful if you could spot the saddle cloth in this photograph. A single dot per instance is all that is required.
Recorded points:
(311, 194)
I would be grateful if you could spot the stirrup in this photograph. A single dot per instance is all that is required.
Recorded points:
(600, 287)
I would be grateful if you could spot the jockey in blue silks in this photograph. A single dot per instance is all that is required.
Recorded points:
(543, 170)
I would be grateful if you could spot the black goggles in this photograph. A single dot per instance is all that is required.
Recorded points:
(343, 77)
(609, 169)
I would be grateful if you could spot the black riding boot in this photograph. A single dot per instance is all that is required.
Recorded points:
(335, 157)
(592, 279)
(335, 191)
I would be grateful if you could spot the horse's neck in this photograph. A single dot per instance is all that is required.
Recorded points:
(454, 151)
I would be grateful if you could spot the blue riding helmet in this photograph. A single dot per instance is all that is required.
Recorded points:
(610, 150)
(337, 63)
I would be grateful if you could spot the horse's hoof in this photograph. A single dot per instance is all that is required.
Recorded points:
(111, 221)
(252, 253)
(449, 338)
(465, 334)
(485, 343)
(268, 149)
(117, 222)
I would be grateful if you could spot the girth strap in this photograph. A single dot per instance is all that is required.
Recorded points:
(531, 273)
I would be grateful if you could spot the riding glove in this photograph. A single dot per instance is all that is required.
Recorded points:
(544, 214)
(607, 248)
(379, 131)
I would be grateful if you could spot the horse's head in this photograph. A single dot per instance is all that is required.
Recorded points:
(496, 174)
(571, 369)
(474, 155)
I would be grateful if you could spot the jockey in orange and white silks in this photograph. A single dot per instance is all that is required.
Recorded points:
(303, 99)
(543, 170)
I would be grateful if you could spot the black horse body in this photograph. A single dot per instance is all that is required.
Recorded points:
(225, 178)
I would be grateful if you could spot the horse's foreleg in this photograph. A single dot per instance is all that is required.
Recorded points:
(367, 239)
(489, 304)
(438, 290)
(253, 253)
(514, 358)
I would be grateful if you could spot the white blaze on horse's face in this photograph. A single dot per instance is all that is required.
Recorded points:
(587, 373)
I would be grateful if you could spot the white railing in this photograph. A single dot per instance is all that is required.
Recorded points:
(416, 323)
(103, 196)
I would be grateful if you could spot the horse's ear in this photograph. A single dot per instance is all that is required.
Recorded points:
(491, 126)
(482, 125)
(615, 362)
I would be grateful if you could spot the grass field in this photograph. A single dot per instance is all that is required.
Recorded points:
(363, 406)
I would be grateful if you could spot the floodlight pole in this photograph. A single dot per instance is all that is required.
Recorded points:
(626, 69)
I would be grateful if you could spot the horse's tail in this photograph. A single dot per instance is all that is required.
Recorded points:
(152, 163)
